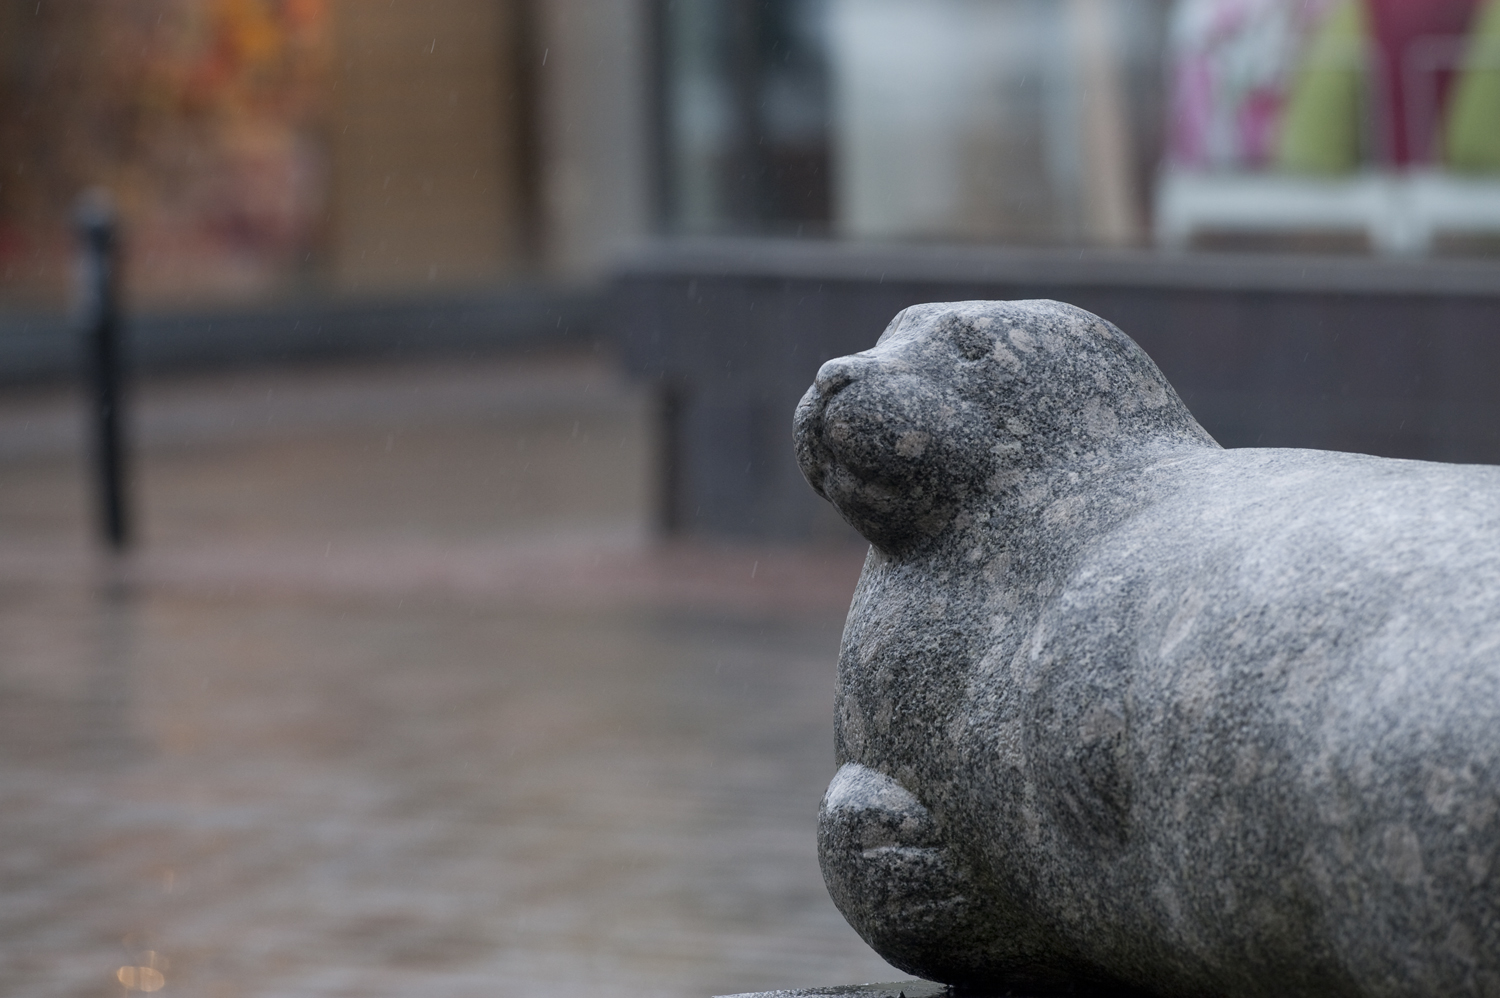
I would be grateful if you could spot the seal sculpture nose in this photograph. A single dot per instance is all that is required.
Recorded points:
(838, 374)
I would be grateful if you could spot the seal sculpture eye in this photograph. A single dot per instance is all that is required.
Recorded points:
(973, 342)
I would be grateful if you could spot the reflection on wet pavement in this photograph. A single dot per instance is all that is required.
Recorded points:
(427, 719)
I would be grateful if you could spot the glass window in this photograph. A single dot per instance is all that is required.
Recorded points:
(745, 87)
(1007, 120)
(1282, 124)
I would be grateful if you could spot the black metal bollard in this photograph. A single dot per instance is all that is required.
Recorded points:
(98, 312)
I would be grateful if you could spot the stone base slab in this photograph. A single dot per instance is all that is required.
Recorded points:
(897, 989)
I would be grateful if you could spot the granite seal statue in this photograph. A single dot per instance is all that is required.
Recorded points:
(1119, 709)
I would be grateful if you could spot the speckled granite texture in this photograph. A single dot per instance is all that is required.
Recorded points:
(1118, 708)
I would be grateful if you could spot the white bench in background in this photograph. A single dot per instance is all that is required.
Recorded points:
(1400, 214)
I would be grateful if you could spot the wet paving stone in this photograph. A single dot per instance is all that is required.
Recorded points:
(344, 727)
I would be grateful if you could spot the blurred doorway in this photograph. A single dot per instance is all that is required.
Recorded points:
(744, 117)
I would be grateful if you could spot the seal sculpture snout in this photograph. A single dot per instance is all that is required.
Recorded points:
(807, 433)
(864, 449)
(1119, 708)
(809, 426)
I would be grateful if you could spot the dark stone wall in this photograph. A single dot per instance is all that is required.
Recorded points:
(1394, 358)
(45, 346)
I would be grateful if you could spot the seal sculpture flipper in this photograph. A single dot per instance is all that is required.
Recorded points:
(889, 871)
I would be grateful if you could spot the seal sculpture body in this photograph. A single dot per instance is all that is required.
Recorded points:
(1118, 708)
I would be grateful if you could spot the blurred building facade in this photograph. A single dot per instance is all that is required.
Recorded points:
(265, 149)
(261, 149)
(731, 191)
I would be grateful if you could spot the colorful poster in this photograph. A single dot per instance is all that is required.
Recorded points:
(1327, 86)
(206, 120)
(1234, 64)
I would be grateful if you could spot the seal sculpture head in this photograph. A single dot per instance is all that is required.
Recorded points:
(959, 400)
(1120, 709)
